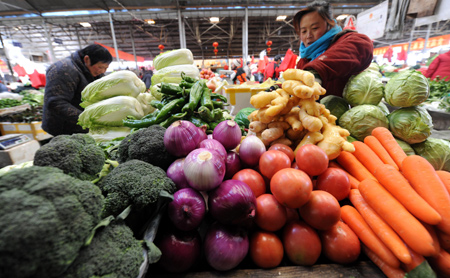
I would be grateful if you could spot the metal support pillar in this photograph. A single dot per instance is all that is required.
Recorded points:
(245, 37)
(49, 41)
(133, 47)
(114, 37)
(181, 30)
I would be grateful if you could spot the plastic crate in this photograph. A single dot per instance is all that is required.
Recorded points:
(239, 97)
(32, 130)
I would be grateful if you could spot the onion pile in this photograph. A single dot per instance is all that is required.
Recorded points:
(251, 150)
(187, 209)
(204, 169)
(228, 133)
(182, 137)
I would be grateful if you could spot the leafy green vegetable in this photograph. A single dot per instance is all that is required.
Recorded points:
(362, 119)
(411, 124)
(9, 102)
(364, 88)
(172, 74)
(407, 88)
(436, 151)
(241, 117)
(336, 105)
(405, 147)
(172, 58)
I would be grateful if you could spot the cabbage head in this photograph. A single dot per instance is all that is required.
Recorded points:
(411, 124)
(336, 105)
(405, 147)
(383, 108)
(172, 58)
(362, 119)
(172, 74)
(436, 151)
(364, 88)
(407, 88)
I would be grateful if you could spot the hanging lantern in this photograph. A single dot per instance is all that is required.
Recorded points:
(215, 51)
(215, 45)
(269, 43)
(161, 47)
(268, 50)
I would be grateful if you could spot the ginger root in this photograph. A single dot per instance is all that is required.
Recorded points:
(256, 126)
(293, 101)
(310, 138)
(293, 119)
(263, 99)
(334, 140)
(278, 104)
(300, 75)
(309, 122)
(298, 88)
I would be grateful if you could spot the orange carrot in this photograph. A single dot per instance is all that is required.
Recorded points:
(387, 140)
(377, 148)
(366, 156)
(416, 260)
(352, 165)
(389, 271)
(399, 187)
(379, 226)
(433, 233)
(354, 183)
(445, 178)
(444, 239)
(424, 179)
(395, 214)
(356, 222)
(441, 263)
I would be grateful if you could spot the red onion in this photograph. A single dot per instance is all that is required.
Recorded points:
(210, 136)
(176, 173)
(225, 246)
(203, 134)
(215, 145)
(187, 209)
(251, 150)
(233, 202)
(228, 133)
(181, 138)
(204, 169)
(233, 164)
(180, 250)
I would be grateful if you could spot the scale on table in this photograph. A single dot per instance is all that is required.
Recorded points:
(16, 149)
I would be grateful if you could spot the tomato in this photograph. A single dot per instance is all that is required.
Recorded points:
(311, 159)
(322, 210)
(334, 181)
(291, 187)
(270, 214)
(253, 179)
(292, 214)
(266, 249)
(301, 243)
(272, 161)
(284, 148)
(294, 165)
(340, 244)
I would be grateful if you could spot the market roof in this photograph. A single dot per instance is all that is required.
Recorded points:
(34, 23)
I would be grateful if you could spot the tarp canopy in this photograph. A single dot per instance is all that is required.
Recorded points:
(122, 55)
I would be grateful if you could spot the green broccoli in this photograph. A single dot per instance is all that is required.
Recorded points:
(146, 144)
(113, 252)
(136, 183)
(77, 155)
(45, 218)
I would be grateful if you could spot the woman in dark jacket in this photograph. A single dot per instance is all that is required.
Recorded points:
(331, 54)
(66, 79)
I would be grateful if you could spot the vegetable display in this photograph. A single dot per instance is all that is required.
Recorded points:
(407, 88)
(364, 88)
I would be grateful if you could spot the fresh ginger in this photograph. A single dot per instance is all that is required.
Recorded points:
(300, 75)
(262, 116)
(292, 102)
(309, 122)
(278, 104)
(280, 124)
(257, 126)
(310, 138)
(298, 88)
(283, 140)
(263, 99)
(334, 140)
(296, 135)
(293, 119)
(271, 134)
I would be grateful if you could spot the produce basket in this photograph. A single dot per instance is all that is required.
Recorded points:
(32, 130)
(239, 96)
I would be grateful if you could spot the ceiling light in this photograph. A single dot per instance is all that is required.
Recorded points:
(281, 17)
(214, 19)
(150, 21)
(342, 16)
(85, 24)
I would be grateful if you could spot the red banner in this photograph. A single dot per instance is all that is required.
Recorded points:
(122, 55)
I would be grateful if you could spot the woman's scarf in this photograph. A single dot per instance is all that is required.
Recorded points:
(318, 47)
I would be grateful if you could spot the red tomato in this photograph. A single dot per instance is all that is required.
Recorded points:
(311, 159)
(266, 249)
(253, 179)
(294, 165)
(270, 214)
(334, 181)
(301, 243)
(322, 210)
(292, 214)
(273, 161)
(340, 244)
(284, 148)
(291, 187)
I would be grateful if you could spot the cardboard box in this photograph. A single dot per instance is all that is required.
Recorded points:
(32, 130)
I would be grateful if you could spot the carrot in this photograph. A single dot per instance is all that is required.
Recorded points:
(433, 233)
(387, 140)
(424, 179)
(444, 239)
(445, 178)
(416, 260)
(366, 156)
(352, 165)
(389, 271)
(395, 214)
(354, 183)
(441, 263)
(377, 148)
(379, 226)
(359, 226)
(399, 187)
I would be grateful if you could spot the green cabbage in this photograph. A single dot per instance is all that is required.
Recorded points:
(119, 83)
(336, 105)
(362, 119)
(405, 147)
(110, 112)
(407, 88)
(383, 108)
(436, 151)
(145, 99)
(172, 74)
(172, 58)
(364, 88)
(411, 124)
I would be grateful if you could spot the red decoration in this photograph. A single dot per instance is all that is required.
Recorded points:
(161, 47)
(215, 52)
(215, 44)
(388, 54)
(268, 50)
(269, 43)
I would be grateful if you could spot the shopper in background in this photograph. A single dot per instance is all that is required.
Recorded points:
(440, 67)
(239, 73)
(3, 87)
(66, 79)
(271, 68)
(147, 78)
(333, 55)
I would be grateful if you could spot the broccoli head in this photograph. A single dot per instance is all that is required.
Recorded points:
(77, 155)
(136, 183)
(146, 144)
(113, 252)
(45, 218)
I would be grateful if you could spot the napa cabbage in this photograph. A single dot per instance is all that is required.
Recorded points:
(172, 58)
(172, 74)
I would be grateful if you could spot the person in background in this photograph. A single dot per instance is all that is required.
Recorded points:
(271, 69)
(147, 78)
(440, 67)
(66, 79)
(239, 73)
(3, 87)
(333, 55)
